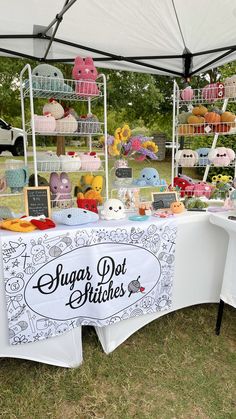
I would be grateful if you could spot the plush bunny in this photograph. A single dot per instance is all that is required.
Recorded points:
(203, 156)
(221, 156)
(86, 73)
(48, 77)
(60, 188)
(186, 157)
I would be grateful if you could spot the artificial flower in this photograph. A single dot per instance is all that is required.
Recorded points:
(125, 133)
(136, 144)
(151, 146)
(118, 134)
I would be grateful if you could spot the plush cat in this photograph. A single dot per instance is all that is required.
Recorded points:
(60, 188)
(85, 73)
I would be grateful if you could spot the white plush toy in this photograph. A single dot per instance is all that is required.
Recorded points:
(113, 209)
(186, 157)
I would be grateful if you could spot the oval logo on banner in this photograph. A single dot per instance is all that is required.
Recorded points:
(95, 281)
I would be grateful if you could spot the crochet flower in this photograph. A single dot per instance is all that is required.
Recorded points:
(151, 146)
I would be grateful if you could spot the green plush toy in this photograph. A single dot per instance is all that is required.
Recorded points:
(48, 77)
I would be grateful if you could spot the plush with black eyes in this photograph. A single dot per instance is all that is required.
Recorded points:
(186, 157)
(87, 204)
(48, 77)
(149, 176)
(221, 156)
(177, 207)
(203, 156)
(113, 210)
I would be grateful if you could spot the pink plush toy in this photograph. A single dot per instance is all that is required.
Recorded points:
(221, 156)
(44, 123)
(199, 189)
(186, 157)
(187, 93)
(60, 188)
(90, 161)
(86, 73)
(213, 91)
(67, 124)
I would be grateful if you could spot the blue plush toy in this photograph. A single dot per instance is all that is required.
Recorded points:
(203, 156)
(48, 77)
(75, 216)
(149, 177)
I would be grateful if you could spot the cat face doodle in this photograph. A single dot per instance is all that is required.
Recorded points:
(113, 210)
(14, 284)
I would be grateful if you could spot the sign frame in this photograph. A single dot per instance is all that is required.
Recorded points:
(156, 196)
(26, 199)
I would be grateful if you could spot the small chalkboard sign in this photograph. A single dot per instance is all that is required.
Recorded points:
(37, 201)
(124, 172)
(163, 199)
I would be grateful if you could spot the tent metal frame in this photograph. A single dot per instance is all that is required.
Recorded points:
(187, 56)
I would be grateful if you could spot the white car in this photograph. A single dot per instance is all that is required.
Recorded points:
(11, 139)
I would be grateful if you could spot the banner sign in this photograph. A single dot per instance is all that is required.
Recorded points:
(88, 276)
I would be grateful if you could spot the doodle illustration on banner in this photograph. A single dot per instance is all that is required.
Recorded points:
(87, 276)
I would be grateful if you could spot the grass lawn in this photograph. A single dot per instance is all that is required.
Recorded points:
(175, 367)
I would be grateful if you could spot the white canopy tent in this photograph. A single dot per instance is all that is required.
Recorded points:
(171, 37)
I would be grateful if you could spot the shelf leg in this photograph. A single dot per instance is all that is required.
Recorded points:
(61, 150)
(219, 317)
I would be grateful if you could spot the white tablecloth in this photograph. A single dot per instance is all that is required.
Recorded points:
(200, 259)
(228, 290)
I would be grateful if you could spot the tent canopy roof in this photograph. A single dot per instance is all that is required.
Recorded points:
(171, 37)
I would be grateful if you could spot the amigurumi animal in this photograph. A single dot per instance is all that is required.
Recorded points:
(75, 216)
(60, 188)
(186, 157)
(203, 156)
(149, 177)
(48, 77)
(221, 156)
(85, 72)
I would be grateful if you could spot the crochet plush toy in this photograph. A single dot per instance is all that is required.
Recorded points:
(48, 77)
(149, 176)
(90, 187)
(60, 188)
(87, 204)
(75, 216)
(186, 157)
(221, 156)
(113, 210)
(203, 156)
(85, 73)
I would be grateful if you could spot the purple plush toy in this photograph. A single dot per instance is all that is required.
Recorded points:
(60, 187)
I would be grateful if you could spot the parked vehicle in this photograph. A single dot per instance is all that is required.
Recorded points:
(11, 139)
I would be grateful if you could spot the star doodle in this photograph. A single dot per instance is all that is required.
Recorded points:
(164, 246)
(7, 268)
(13, 273)
(15, 263)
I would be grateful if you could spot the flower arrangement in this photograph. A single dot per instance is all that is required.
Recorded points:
(122, 144)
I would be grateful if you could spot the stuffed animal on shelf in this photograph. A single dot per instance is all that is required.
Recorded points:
(186, 157)
(70, 162)
(53, 108)
(213, 91)
(221, 156)
(90, 161)
(199, 189)
(44, 123)
(203, 156)
(230, 86)
(221, 178)
(113, 210)
(149, 177)
(48, 77)
(181, 183)
(87, 204)
(91, 188)
(75, 216)
(60, 188)
(85, 74)
(88, 124)
(187, 93)
(68, 124)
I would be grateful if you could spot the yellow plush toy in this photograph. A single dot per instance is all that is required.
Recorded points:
(91, 190)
